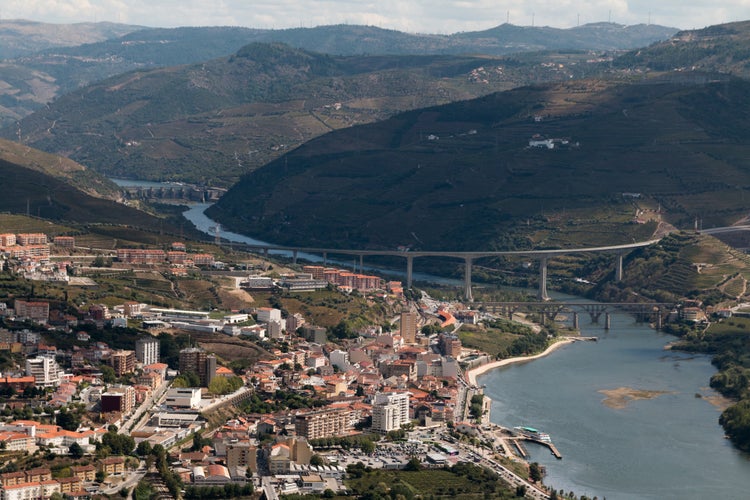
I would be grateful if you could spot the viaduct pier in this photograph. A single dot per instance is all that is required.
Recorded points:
(619, 251)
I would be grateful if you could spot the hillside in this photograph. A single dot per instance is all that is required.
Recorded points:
(45, 70)
(51, 187)
(503, 39)
(19, 37)
(61, 168)
(682, 265)
(723, 48)
(463, 176)
(209, 123)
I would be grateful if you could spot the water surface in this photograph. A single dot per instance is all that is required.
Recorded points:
(668, 447)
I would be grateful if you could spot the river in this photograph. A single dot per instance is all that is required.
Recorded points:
(668, 447)
(196, 215)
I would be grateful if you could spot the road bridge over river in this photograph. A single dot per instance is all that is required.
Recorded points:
(468, 257)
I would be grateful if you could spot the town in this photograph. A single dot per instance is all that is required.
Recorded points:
(94, 384)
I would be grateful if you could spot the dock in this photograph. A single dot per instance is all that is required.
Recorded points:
(548, 444)
(520, 448)
(554, 450)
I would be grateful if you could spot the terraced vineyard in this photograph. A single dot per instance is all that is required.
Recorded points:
(683, 264)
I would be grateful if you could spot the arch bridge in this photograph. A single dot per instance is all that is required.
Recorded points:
(653, 312)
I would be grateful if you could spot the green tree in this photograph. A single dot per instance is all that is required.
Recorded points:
(68, 420)
(199, 442)
(119, 444)
(535, 472)
(75, 450)
(367, 446)
(736, 423)
(187, 379)
(143, 448)
(108, 374)
(413, 464)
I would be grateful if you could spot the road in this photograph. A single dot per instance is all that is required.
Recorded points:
(131, 479)
(268, 489)
(153, 400)
(508, 475)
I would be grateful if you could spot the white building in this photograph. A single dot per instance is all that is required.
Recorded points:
(390, 410)
(28, 337)
(147, 350)
(236, 318)
(46, 371)
(184, 397)
(340, 359)
(268, 314)
(26, 491)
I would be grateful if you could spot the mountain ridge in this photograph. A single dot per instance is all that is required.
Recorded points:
(244, 110)
(466, 176)
(36, 77)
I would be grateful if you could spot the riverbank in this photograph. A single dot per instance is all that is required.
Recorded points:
(472, 374)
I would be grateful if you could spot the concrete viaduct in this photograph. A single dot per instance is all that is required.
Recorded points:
(468, 257)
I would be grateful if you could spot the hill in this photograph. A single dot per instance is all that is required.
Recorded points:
(465, 175)
(19, 37)
(43, 71)
(35, 79)
(501, 40)
(683, 264)
(61, 168)
(209, 123)
(55, 188)
(723, 48)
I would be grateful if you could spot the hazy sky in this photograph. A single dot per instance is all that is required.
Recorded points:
(422, 16)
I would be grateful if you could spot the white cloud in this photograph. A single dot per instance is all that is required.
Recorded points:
(435, 16)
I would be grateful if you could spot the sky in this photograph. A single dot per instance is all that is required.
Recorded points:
(413, 16)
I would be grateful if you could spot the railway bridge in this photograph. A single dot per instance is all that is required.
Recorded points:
(653, 312)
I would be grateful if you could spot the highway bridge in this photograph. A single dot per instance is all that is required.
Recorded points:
(468, 257)
(723, 230)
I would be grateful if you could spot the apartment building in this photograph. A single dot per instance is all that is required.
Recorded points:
(390, 410)
(147, 350)
(45, 370)
(196, 360)
(122, 362)
(120, 399)
(323, 423)
(34, 311)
